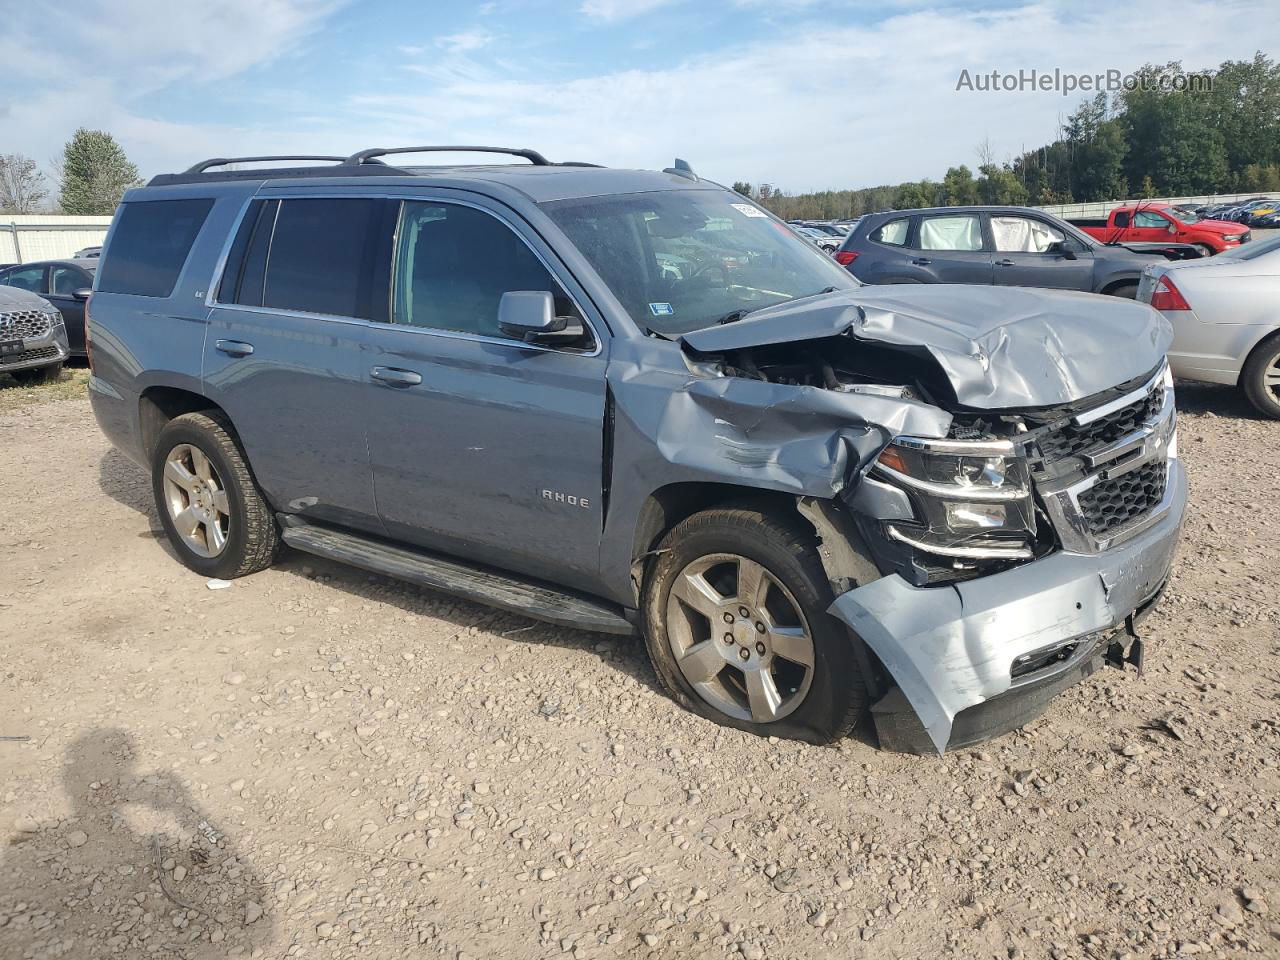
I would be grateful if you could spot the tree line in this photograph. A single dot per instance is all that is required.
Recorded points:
(1150, 141)
(93, 173)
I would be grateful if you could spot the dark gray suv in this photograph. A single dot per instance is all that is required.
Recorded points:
(1001, 246)
(635, 402)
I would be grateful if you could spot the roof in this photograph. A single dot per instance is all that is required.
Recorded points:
(538, 181)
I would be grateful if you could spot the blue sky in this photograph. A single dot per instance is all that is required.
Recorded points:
(803, 94)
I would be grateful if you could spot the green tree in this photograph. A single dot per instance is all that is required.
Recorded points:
(958, 187)
(742, 187)
(95, 174)
(998, 185)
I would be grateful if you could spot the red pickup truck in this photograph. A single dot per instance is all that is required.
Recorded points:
(1162, 223)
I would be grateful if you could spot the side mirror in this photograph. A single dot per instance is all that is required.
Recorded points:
(528, 314)
(1060, 248)
(83, 293)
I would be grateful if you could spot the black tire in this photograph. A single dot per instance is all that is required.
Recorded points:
(1129, 291)
(1265, 356)
(253, 538)
(1205, 249)
(836, 698)
(34, 375)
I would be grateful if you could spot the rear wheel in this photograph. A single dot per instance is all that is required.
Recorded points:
(1128, 291)
(38, 374)
(1260, 378)
(210, 506)
(736, 625)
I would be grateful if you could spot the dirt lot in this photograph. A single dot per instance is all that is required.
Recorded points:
(319, 763)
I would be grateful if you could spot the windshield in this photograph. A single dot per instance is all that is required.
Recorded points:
(1182, 215)
(681, 260)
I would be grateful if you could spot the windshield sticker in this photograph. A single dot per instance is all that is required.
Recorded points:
(747, 210)
(661, 309)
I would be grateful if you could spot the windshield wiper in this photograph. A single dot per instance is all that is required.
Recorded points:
(734, 315)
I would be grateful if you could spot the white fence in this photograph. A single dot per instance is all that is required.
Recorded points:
(1102, 208)
(27, 237)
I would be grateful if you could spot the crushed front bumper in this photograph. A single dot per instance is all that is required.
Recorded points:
(1020, 636)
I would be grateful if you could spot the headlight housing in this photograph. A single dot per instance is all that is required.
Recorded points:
(972, 498)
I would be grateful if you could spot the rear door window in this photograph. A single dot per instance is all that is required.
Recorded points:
(150, 244)
(951, 233)
(893, 233)
(319, 256)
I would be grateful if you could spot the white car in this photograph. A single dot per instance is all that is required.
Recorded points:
(1225, 313)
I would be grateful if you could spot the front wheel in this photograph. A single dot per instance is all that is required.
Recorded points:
(214, 514)
(1260, 378)
(1204, 249)
(736, 625)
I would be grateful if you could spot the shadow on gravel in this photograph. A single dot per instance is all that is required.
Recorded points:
(137, 869)
(127, 483)
(625, 654)
(1221, 401)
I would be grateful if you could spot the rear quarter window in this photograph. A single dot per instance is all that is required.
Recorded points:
(893, 233)
(150, 244)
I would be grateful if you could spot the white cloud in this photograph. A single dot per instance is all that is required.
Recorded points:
(823, 105)
(609, 11)
(818, 103)
(466, 42)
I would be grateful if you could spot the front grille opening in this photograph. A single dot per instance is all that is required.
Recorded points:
(29, 356)
(1111, 505)
(1032, 663)
(1072, 440)
(25, 325)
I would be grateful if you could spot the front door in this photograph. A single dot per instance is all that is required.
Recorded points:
(483, 445)
(64, 280)
(1032, 253)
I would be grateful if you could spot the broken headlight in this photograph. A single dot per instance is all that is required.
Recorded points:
(972, 498)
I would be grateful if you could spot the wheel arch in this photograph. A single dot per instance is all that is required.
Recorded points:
(157, 405)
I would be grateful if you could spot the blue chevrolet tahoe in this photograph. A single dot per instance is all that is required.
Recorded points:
(635, 402)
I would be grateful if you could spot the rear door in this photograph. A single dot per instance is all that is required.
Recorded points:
(952, 249)
(483, 445)
(1032, 253)
(283, 355)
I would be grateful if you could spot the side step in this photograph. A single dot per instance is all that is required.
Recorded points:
(533, 599)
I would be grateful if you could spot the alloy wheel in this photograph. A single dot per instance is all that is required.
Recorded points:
(197, 500)
(1271, 377)
(739, 638)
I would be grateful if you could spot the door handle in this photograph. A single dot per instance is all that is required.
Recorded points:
(1004, 263)
(396, 377)
(922, 261)
(233, 348)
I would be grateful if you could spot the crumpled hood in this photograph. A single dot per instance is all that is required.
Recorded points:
(15, 298)
(999, 347)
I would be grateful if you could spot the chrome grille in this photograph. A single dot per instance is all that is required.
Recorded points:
(25, 325)
(1112, 504)
(1076, 439)
(1103, 474)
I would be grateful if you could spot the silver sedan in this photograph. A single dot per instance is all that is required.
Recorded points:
(1225, 313)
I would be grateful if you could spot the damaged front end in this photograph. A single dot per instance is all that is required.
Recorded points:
(1019, 536)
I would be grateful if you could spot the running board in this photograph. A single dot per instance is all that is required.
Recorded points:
(506, 591)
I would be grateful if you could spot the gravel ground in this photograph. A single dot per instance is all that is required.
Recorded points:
(319, 763)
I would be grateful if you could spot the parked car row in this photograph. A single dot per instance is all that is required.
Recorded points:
(1262, 212)
(633, 401)
(1226, 322)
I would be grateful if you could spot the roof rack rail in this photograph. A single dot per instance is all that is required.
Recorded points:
(204, 165)
(370, 155)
